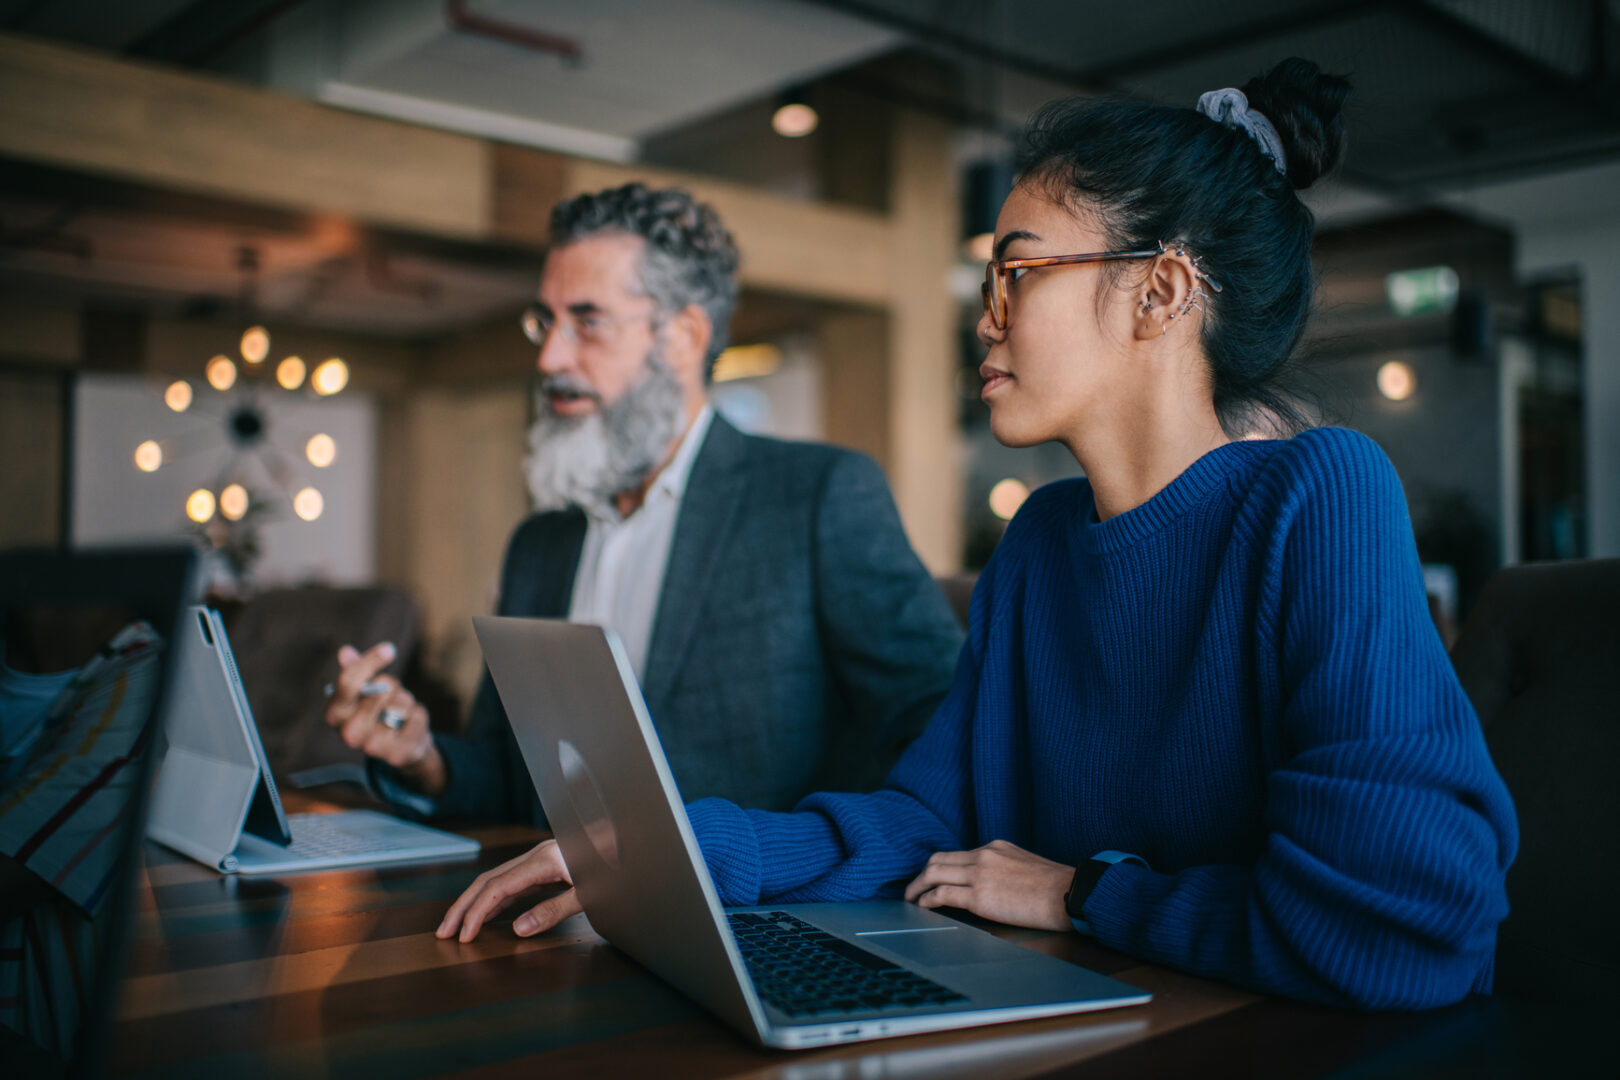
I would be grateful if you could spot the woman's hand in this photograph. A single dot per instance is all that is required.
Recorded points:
(494, 889)
(999, 881)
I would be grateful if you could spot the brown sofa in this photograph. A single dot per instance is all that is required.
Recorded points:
(286, 643)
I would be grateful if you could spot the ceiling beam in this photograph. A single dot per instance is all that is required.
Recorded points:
(91, 112)
(1103, 76)
(1210, 44)
(1459, 29)
(130, 120)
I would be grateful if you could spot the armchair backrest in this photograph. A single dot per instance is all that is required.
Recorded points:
(1540, 659)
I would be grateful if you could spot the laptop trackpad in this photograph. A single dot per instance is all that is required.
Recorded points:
(940, 948)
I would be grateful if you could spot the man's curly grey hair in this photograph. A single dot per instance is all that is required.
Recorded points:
(690, 256)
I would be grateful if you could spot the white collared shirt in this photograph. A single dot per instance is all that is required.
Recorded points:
(622, 564)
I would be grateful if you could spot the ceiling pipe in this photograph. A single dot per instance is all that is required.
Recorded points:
(513, 33)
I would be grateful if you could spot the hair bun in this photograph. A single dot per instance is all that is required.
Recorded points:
(1306, 107)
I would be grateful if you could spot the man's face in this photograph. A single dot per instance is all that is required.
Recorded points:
(602, 327)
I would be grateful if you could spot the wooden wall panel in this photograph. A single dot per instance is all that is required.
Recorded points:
(854, 351)
(802, 248)
(525, 185)
(925, 463)
(32, 413)
(467, 495)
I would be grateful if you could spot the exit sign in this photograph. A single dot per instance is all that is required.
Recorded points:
(1419, 292)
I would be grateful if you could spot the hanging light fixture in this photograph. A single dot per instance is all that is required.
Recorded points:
(794, 117)
(246, 422)
(1396, 380)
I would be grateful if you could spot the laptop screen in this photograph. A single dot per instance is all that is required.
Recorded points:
(84, 664)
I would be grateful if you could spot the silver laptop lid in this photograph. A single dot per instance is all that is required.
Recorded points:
(614, 807)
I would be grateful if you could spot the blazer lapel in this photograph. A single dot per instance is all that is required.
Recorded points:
(715, 493)
(542, 583)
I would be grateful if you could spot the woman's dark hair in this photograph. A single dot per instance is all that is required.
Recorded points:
(1158, 172)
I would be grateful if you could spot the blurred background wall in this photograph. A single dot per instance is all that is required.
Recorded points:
(368, 182)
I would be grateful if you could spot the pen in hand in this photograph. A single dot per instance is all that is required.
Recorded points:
(371, 689)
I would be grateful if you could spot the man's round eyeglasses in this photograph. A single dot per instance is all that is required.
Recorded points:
(593, 328)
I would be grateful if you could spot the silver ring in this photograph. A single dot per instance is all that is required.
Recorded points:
(393, 719)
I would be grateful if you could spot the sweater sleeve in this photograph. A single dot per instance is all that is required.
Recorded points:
(1380, 881)
(846, 846)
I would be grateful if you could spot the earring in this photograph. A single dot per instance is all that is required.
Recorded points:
(1198, 267)
(1145, 306)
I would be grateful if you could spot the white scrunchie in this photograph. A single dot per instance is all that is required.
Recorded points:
(1231, 107)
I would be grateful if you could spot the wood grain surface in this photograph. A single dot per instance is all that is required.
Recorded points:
(337, 973)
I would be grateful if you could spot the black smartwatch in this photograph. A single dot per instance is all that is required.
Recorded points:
(1086, 876)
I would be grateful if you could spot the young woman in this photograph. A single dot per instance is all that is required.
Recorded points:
(1202, 713)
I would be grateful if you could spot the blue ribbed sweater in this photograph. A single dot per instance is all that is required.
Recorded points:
(1238, 681)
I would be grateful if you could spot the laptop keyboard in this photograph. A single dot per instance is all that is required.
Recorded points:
(804, 971)
(323, 836)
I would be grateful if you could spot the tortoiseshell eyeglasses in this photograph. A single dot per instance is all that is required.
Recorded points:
(996, 271)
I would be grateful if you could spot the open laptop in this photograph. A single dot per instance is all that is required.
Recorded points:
(216, 801)
(788, 975)
(92, 805)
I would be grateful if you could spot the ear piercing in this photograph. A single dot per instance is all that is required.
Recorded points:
(1198, 268)
(1196, 299)
(1194, 302)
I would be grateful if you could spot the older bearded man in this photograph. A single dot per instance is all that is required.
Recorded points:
(786, 636)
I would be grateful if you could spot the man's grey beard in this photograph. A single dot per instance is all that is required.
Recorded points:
(586, 460)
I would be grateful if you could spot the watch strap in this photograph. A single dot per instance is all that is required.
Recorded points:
(1088, 873)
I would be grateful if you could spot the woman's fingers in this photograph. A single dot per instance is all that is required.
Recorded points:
(548, 913)
(953, 867)
(494, 889)
(999, 881)
(490, 900)
(452, 918)
(953, 896)
(940, 873)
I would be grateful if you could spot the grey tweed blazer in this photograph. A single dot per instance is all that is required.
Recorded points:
(798, 645)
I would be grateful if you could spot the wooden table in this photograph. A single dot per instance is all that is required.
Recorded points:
(337, 973)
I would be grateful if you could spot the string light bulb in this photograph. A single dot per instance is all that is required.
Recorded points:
(321, 450)
(221, 373)
(308, 504)
(255, 344)
(290, 373)
(329, 377)
(177, 396)
(200, 505)
(233, 502)
(148, 456)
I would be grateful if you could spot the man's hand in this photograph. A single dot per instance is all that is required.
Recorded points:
(999, 881)
(362, 720)
(494, 889)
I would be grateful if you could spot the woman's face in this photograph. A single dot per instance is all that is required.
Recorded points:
(1062, 354)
